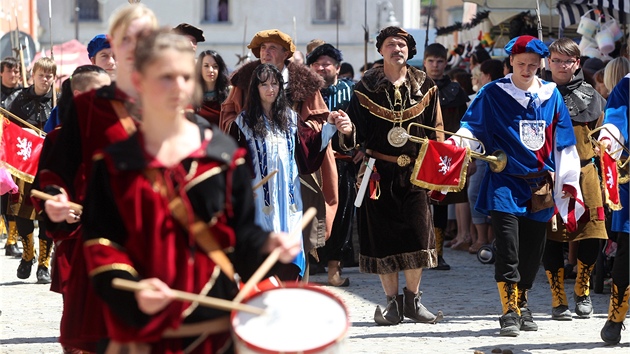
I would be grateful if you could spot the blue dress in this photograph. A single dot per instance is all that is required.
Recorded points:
(279, 201)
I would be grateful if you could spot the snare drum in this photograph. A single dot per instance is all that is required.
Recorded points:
(298, 319)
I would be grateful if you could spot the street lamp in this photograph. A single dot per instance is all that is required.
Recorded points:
(388, 8)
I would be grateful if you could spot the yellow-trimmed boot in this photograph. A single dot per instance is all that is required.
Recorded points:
(559, 303)
(510, 321)
(527, 319)
(43, 261)
(11, 247)
(28, 257)
(583, 304)
(611, 333)
(439, 248)
(3, 228)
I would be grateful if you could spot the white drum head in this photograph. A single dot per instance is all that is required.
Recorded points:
(297, 319)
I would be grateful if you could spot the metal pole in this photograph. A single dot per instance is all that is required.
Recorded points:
(76, 19)
(52, 55)
(426, 37)
(366, 36)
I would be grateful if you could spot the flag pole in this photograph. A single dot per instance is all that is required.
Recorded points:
(52, 55)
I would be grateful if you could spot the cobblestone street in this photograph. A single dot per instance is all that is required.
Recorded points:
(467, 295)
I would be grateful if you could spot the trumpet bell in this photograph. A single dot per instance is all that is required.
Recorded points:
(497, 161)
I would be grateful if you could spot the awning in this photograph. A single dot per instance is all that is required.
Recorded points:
(572, 11)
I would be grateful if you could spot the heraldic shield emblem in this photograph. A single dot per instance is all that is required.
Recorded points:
(532, 133)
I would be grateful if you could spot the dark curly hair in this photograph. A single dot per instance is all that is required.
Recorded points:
(253, 112)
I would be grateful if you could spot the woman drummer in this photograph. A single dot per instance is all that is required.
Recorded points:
(133, 232)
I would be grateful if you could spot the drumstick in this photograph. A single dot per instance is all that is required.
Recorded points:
(221, 304)
(272, 259)
(264, 180)
(45, 196)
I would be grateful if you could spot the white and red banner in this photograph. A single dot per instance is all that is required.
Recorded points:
(20, 150)
(441, 167)
(610, 181)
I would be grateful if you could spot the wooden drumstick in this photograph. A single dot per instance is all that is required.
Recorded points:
(45, 196)
(264, 180)
(213, 302)
(272, 259)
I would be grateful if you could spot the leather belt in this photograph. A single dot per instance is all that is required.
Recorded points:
(217, 325)
(402, 160)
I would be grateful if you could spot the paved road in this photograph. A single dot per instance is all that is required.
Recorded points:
(466, 294)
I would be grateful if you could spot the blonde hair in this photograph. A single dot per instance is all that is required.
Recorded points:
(124, 15)
(45, 64)
(615, 70)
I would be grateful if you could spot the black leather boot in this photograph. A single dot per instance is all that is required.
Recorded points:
(414, 310)
(393, 313)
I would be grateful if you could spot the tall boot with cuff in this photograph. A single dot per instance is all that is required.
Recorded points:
(617, 310)
(439, 247)
(11, 247)
(559, 303)
(43, 261)
(28, 257)
(510, 321)
(583, 304)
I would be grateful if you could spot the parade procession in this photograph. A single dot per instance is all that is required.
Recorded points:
(213, 176)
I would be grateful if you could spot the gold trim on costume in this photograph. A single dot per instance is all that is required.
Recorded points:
(114, 266)
(202, 177)
(101, 241)
(437, 187)
(395, 116)
(19, 174)
(206, 288)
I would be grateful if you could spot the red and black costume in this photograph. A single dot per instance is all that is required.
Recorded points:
(131, 233)
(89, 123)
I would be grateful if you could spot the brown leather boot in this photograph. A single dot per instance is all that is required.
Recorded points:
(334, 275)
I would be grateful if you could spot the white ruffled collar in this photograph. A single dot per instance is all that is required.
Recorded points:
(523, 97)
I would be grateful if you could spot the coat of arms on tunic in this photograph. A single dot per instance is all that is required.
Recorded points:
(532, 133)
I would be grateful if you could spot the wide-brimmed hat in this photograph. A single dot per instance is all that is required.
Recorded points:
(272, 35)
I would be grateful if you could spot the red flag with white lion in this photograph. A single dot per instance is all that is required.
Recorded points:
(441, 167)
(19, 150)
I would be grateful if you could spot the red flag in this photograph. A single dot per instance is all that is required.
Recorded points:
(441, 167)
(20, 150)
(610, 181)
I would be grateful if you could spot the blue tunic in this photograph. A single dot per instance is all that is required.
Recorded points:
(617, 115)
(501, 117)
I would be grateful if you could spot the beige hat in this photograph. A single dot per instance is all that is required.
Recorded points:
(274, 36)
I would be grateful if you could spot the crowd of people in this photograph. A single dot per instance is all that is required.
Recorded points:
(154, 144)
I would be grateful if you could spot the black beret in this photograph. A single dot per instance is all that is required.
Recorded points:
(393, 31)
(186, 29)
(324, 49)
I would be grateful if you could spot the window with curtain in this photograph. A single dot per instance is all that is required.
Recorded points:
(215, 11)
(326, 11)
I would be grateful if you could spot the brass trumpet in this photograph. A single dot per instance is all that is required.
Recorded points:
(497, 160)
(622, 165)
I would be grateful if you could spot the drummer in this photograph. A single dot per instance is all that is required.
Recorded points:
(127, 209)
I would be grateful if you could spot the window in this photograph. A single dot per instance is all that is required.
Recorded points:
(326, 11)
(89, 10)
(215, 11)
